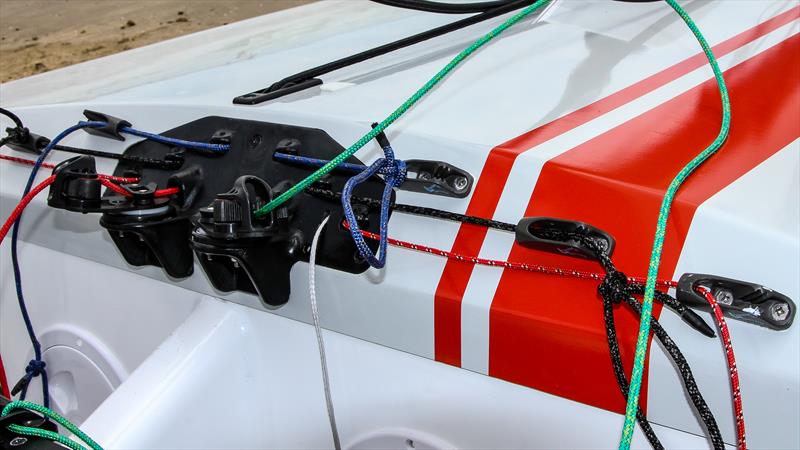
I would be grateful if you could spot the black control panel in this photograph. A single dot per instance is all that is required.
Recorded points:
(211, 217)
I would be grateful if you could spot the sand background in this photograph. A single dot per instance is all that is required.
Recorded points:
(41, 35)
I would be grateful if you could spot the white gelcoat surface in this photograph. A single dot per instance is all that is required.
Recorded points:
(579, 53)
(768, 361)
(232, 377)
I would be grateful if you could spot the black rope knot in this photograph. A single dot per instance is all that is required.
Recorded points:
(614, 287)
(17, 134)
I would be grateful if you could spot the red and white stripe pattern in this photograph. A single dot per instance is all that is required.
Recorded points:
(622, 149)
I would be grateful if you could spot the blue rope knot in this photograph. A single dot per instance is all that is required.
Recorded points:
(35, 368)
(394, 172)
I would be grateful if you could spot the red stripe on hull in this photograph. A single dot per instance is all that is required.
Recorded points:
(489, 188)
(547, 332)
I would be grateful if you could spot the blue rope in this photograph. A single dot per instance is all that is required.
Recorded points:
(36, 367)
(176, 142)
(314, 162)
(394, 171)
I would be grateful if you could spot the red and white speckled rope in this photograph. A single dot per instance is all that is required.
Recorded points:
(736, 392)
(108, 181)
(29, 162)
(538, 268)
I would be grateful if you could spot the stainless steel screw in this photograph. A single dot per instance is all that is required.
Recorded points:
(17, 441)
(424, 176)
(724, 297)
(779, 311)
(460, 183)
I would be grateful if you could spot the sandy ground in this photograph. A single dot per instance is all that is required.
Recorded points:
(41, 35)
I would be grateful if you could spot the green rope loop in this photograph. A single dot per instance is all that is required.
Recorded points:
(661, 228)
(36, 432)
(294, 190)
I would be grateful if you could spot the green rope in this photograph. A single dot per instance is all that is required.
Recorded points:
(36, 432)
(294, 190)
(661, 227)
(45, 434)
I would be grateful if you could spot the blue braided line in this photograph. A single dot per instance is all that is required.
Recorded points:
(395, 171)
(176, 142)
(314, 162)
(36, 366)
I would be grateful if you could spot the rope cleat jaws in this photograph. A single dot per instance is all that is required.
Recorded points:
(112, 128)
(22, 140)
(739, 300)
(436, 178)
(240, 251)
(78, 187)
(565, 237)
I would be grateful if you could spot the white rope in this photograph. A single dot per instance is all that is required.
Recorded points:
(312, 294)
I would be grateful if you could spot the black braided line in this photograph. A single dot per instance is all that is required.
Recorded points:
(20, 134)
(417, 210)
(615, 288)
(610, 291)
(689, 382)
(150, 162)
(619, 372)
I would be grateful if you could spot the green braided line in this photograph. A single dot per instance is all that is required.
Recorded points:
(658, 242)
(48, 434)
(55, 437)
(294, 190)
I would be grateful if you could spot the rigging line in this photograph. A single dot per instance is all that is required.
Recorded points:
(727, 343)
(445, 7)
(308, 78)
(537, 268)
(614, 285)
(323, 361)
(661, 229)
(402, 109)
(36, 367)
(54, 416)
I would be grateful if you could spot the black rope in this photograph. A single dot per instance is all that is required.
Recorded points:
(163, 164)
(416, 210)
(17, 121)
(443, 7)
(308, 78)
(20, 135)
(615, 288)
(619, 372)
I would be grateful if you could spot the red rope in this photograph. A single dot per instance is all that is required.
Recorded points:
(22, 204)
(166, 192)
(123, 180)
(115, 187)
(538, 268)
(105, 180)
(25, 161)
(4, 390)
(736, 393)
